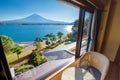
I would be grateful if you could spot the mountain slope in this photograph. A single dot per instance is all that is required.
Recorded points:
(33, 19)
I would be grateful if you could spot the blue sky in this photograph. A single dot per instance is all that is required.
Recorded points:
(50, 9)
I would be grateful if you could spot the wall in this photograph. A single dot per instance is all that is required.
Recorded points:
(111, 39)
(103, 24)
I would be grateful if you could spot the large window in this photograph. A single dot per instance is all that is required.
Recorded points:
(37, 35)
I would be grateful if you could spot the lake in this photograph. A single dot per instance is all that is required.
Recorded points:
(26, 33)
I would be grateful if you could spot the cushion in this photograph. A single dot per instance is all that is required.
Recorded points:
(96, 73)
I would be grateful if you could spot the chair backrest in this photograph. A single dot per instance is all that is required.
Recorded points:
(97, 60)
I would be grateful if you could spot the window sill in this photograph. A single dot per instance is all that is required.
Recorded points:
(57, 74)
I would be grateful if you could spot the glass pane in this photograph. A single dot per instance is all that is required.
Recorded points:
(30, 33)
(86, 31)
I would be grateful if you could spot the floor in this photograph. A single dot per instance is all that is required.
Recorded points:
(113, 72)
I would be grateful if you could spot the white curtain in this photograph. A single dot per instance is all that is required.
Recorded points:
(91, 45)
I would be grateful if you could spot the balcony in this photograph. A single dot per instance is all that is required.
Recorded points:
(56, 60)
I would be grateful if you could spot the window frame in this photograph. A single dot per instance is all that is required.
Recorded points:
(86, 5)
(4, 64)
(80, 30)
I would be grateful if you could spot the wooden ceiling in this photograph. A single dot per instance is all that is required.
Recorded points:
(85, 3)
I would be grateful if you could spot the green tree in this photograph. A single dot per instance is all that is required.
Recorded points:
(51, 35)
(86, 26)
(50, 38)
(37, 58)
(37, 41)
(65, 38)
(69, 36)
(60, 34)
(7, 42)
(53, 39)
(74, 31)
(75, 28)
(47, 36)
(18, 50)
(76, 23)
(47, 42)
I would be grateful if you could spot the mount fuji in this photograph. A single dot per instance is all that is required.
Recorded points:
(33, 19)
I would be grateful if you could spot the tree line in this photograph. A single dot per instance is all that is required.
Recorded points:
(10, 46)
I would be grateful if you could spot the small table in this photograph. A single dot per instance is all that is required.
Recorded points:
(74, 73)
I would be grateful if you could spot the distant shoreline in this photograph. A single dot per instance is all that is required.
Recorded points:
(28, 33)
(36, 23)
(26, 43)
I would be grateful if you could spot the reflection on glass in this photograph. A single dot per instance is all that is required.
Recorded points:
(86, 31)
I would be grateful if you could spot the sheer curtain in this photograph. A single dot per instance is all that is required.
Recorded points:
(93, 33)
